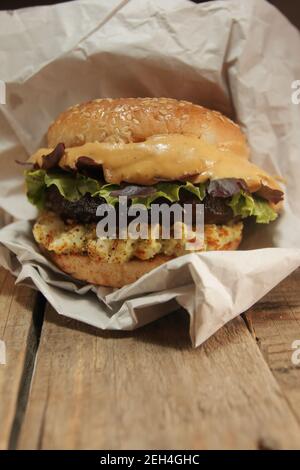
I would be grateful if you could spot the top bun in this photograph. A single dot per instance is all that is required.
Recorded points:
(125, 120)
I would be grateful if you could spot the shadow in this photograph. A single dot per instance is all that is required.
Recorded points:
(257, 236)
(170, 331)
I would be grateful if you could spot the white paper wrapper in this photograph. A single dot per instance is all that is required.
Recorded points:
(238, 57)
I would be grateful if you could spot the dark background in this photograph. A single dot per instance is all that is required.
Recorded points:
(291, 8)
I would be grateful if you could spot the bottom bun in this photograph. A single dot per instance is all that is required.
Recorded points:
(105, 274)
(87, 269)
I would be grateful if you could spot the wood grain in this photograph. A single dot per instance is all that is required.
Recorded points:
(149, 389)
(16, 306)
(275, 324)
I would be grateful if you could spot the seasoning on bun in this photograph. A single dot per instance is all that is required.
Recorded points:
(151, 150)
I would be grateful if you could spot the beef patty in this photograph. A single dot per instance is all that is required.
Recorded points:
(216, 210)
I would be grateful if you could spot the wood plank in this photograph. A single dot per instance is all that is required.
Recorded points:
(149, 389)
(16, 330)
(275, 324)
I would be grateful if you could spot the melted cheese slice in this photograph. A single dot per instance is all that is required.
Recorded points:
(164, 157)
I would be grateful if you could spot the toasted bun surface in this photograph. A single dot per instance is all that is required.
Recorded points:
(126, 120)
(124, 137)
(105, 274)
(111, 274)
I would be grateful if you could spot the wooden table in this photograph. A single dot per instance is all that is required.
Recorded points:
(70, 386)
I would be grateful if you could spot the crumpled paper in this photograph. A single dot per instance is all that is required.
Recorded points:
(238, 57)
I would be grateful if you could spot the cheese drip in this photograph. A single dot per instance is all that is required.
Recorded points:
(164, 157)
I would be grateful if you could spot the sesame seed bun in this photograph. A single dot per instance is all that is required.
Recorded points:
(125, 120)
(146, 140)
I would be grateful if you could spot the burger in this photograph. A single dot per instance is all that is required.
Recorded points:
(151, 150)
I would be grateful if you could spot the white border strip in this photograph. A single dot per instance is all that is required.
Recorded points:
(2, 353)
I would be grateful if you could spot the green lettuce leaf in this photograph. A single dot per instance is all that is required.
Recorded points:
(105, 190)
(73, 187)
(170, 191)
(245, 205)
(35, 184)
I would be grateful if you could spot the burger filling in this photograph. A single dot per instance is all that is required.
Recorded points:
(69, 200)
(60, 237)
(76, 196)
